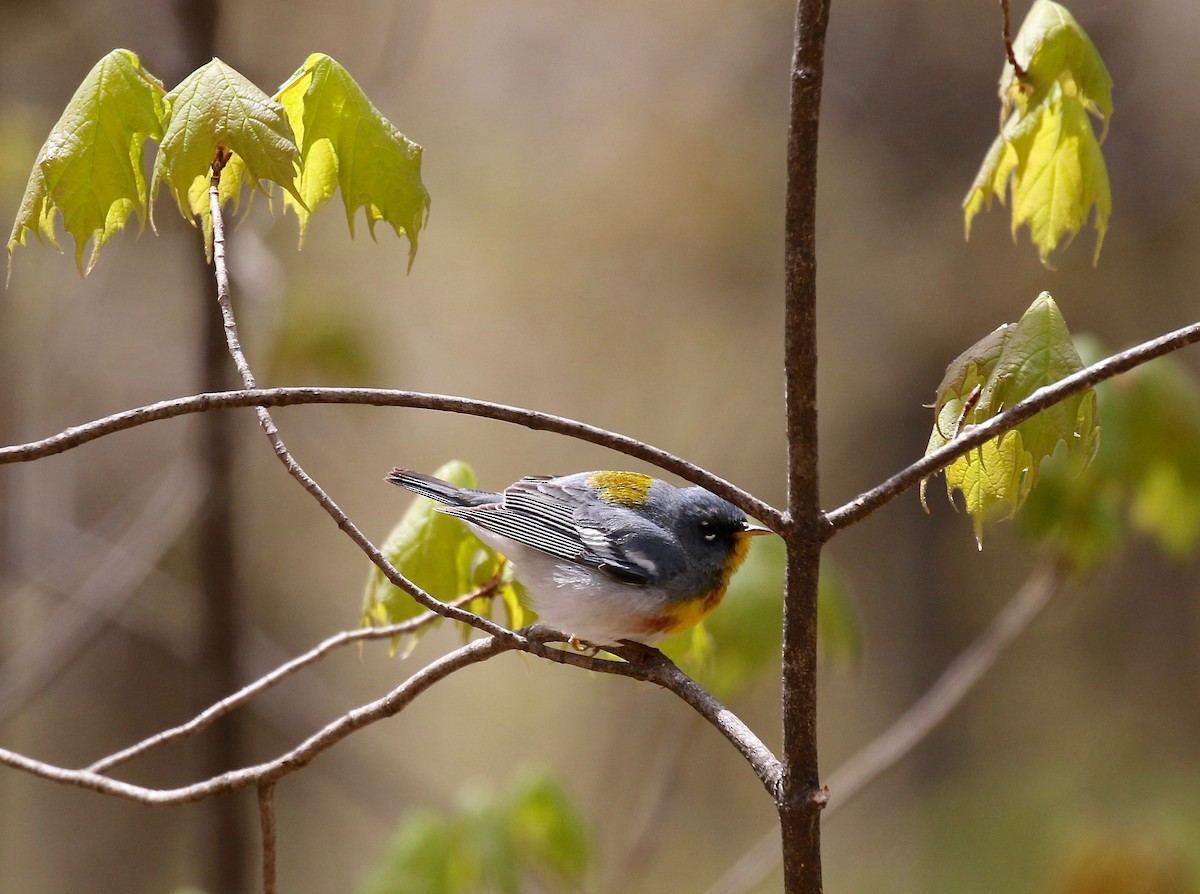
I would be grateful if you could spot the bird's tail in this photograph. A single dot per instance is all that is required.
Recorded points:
(441, 491)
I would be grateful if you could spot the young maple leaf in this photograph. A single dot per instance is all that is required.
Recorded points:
(215, 106)
(90, 168)
(346, 143)
(1000, 370)
(1047, 147)
(440, 554)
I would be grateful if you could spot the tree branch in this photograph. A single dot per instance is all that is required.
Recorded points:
(974, 436)
(1008, 44)
(78, 435)
(799, 798)
(284, 455)
(285, 764)
(266, 822)
(639, 663)
(112, 580)
(663, 672)
(913, 726)
(210, 715)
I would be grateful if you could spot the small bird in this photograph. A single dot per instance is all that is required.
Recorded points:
(606, 556)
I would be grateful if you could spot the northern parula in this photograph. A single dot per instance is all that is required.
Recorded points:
(606, 556)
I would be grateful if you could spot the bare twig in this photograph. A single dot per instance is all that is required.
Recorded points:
(662, 672)
(975, 435)
(911, 727)
(209, 716)
(266, 822)
(1008, 44)
(269, 428)
(78, 435)
(639, 662)
(285, 764)
(963, 674)
(111, 583)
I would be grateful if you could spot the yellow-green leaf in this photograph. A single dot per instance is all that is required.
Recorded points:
(1047, 148)
(529, 837)
(998, 371)
(346, 143)
(435, 551)
(216, 106)
(1053, 49)
(1145, 479)
(1060, 177)
(90, 168)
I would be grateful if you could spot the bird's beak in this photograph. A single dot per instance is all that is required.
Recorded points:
(754, 530)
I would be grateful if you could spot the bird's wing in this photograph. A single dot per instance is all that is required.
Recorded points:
(548, 515)
(629, 546)
(533, 516)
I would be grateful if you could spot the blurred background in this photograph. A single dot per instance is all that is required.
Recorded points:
(606, 243)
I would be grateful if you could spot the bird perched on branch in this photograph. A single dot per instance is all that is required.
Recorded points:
(606, 556)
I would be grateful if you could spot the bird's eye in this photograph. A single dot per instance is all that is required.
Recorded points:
(706, 529)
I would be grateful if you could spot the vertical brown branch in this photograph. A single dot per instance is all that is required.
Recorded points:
(223, 853)
(800, 798)
(266, 820)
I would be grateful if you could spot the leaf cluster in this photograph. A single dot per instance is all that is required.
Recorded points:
(490, 842)
(439, 554)
(1001, 369)
(1047, 147)
(317, 133)
(1145, 478)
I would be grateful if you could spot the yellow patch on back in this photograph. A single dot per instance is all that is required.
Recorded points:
(622, 488)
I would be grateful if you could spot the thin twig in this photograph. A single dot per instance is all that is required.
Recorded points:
(911, 727)
(224, 301)
(639, 663)
(289, 762)
(266, 822)
(976, 435)
(1008, 44)
(646, 829)
(210, 715)
(769, 770)
(111, 583)
(78, 435)
(963, 674)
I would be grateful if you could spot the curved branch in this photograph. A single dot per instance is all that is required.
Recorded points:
(663, 672)
(78, 435)
(911, 727)
(271, 771)
(974, 436)
(640, 663)
(213, 713)
(306, 481)
(100, 596)
(925, 714)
